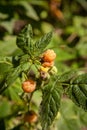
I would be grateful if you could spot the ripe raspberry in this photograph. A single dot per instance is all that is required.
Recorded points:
(30, 117)
(48, 64)
(49, 56)
(29, 86)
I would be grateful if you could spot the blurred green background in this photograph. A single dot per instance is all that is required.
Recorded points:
(68, 20)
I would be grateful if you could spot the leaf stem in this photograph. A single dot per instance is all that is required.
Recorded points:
(6, 62)
(29, 100)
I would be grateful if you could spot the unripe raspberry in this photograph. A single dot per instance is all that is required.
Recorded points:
(47, 64)
(30, 117)
(49, 56)
(44, 75)
(29, 86)
(45, 69)
(53, 70)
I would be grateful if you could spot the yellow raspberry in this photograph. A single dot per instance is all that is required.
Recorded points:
(49, 56)
(29, 86)
(45, 69)
(30, 117)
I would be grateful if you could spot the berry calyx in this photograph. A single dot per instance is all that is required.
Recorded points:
(29, 86)
(49, 56)
(30, 117)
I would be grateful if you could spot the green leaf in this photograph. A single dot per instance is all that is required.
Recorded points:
(68, 118)
(77, 91)
(13, 92)
(5, 68)
(24, 40)
(5, 59)
(82, 46)
(42, 43)
(16, 72)
(8, 25)
(50, 104)
(29, 10)
(83, 3)
(8, 46)
(13, 75)
(5, 108)
(67, 76)
(3, 16)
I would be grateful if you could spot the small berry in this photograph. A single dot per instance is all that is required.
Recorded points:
(44, 75)
(29, 86)
(30, 117)
(53, 70)
(45, 69)
(49, 56)
(47, 64)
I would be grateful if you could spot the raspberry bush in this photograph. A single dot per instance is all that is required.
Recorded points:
(35, 68)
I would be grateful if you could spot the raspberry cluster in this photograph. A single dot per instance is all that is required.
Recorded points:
(46, 69)
(47, 65)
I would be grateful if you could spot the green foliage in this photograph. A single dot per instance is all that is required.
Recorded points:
(77, 91)
(66, 77)
(25, 65)
(76, 87)
(10, 74)
(5, 108)
(25, 42)
(8, 46)
(24, 39)
(30, 12)
(5, 68)
(42, 43)
(22, 63)
(50, 104)
(68, 117)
